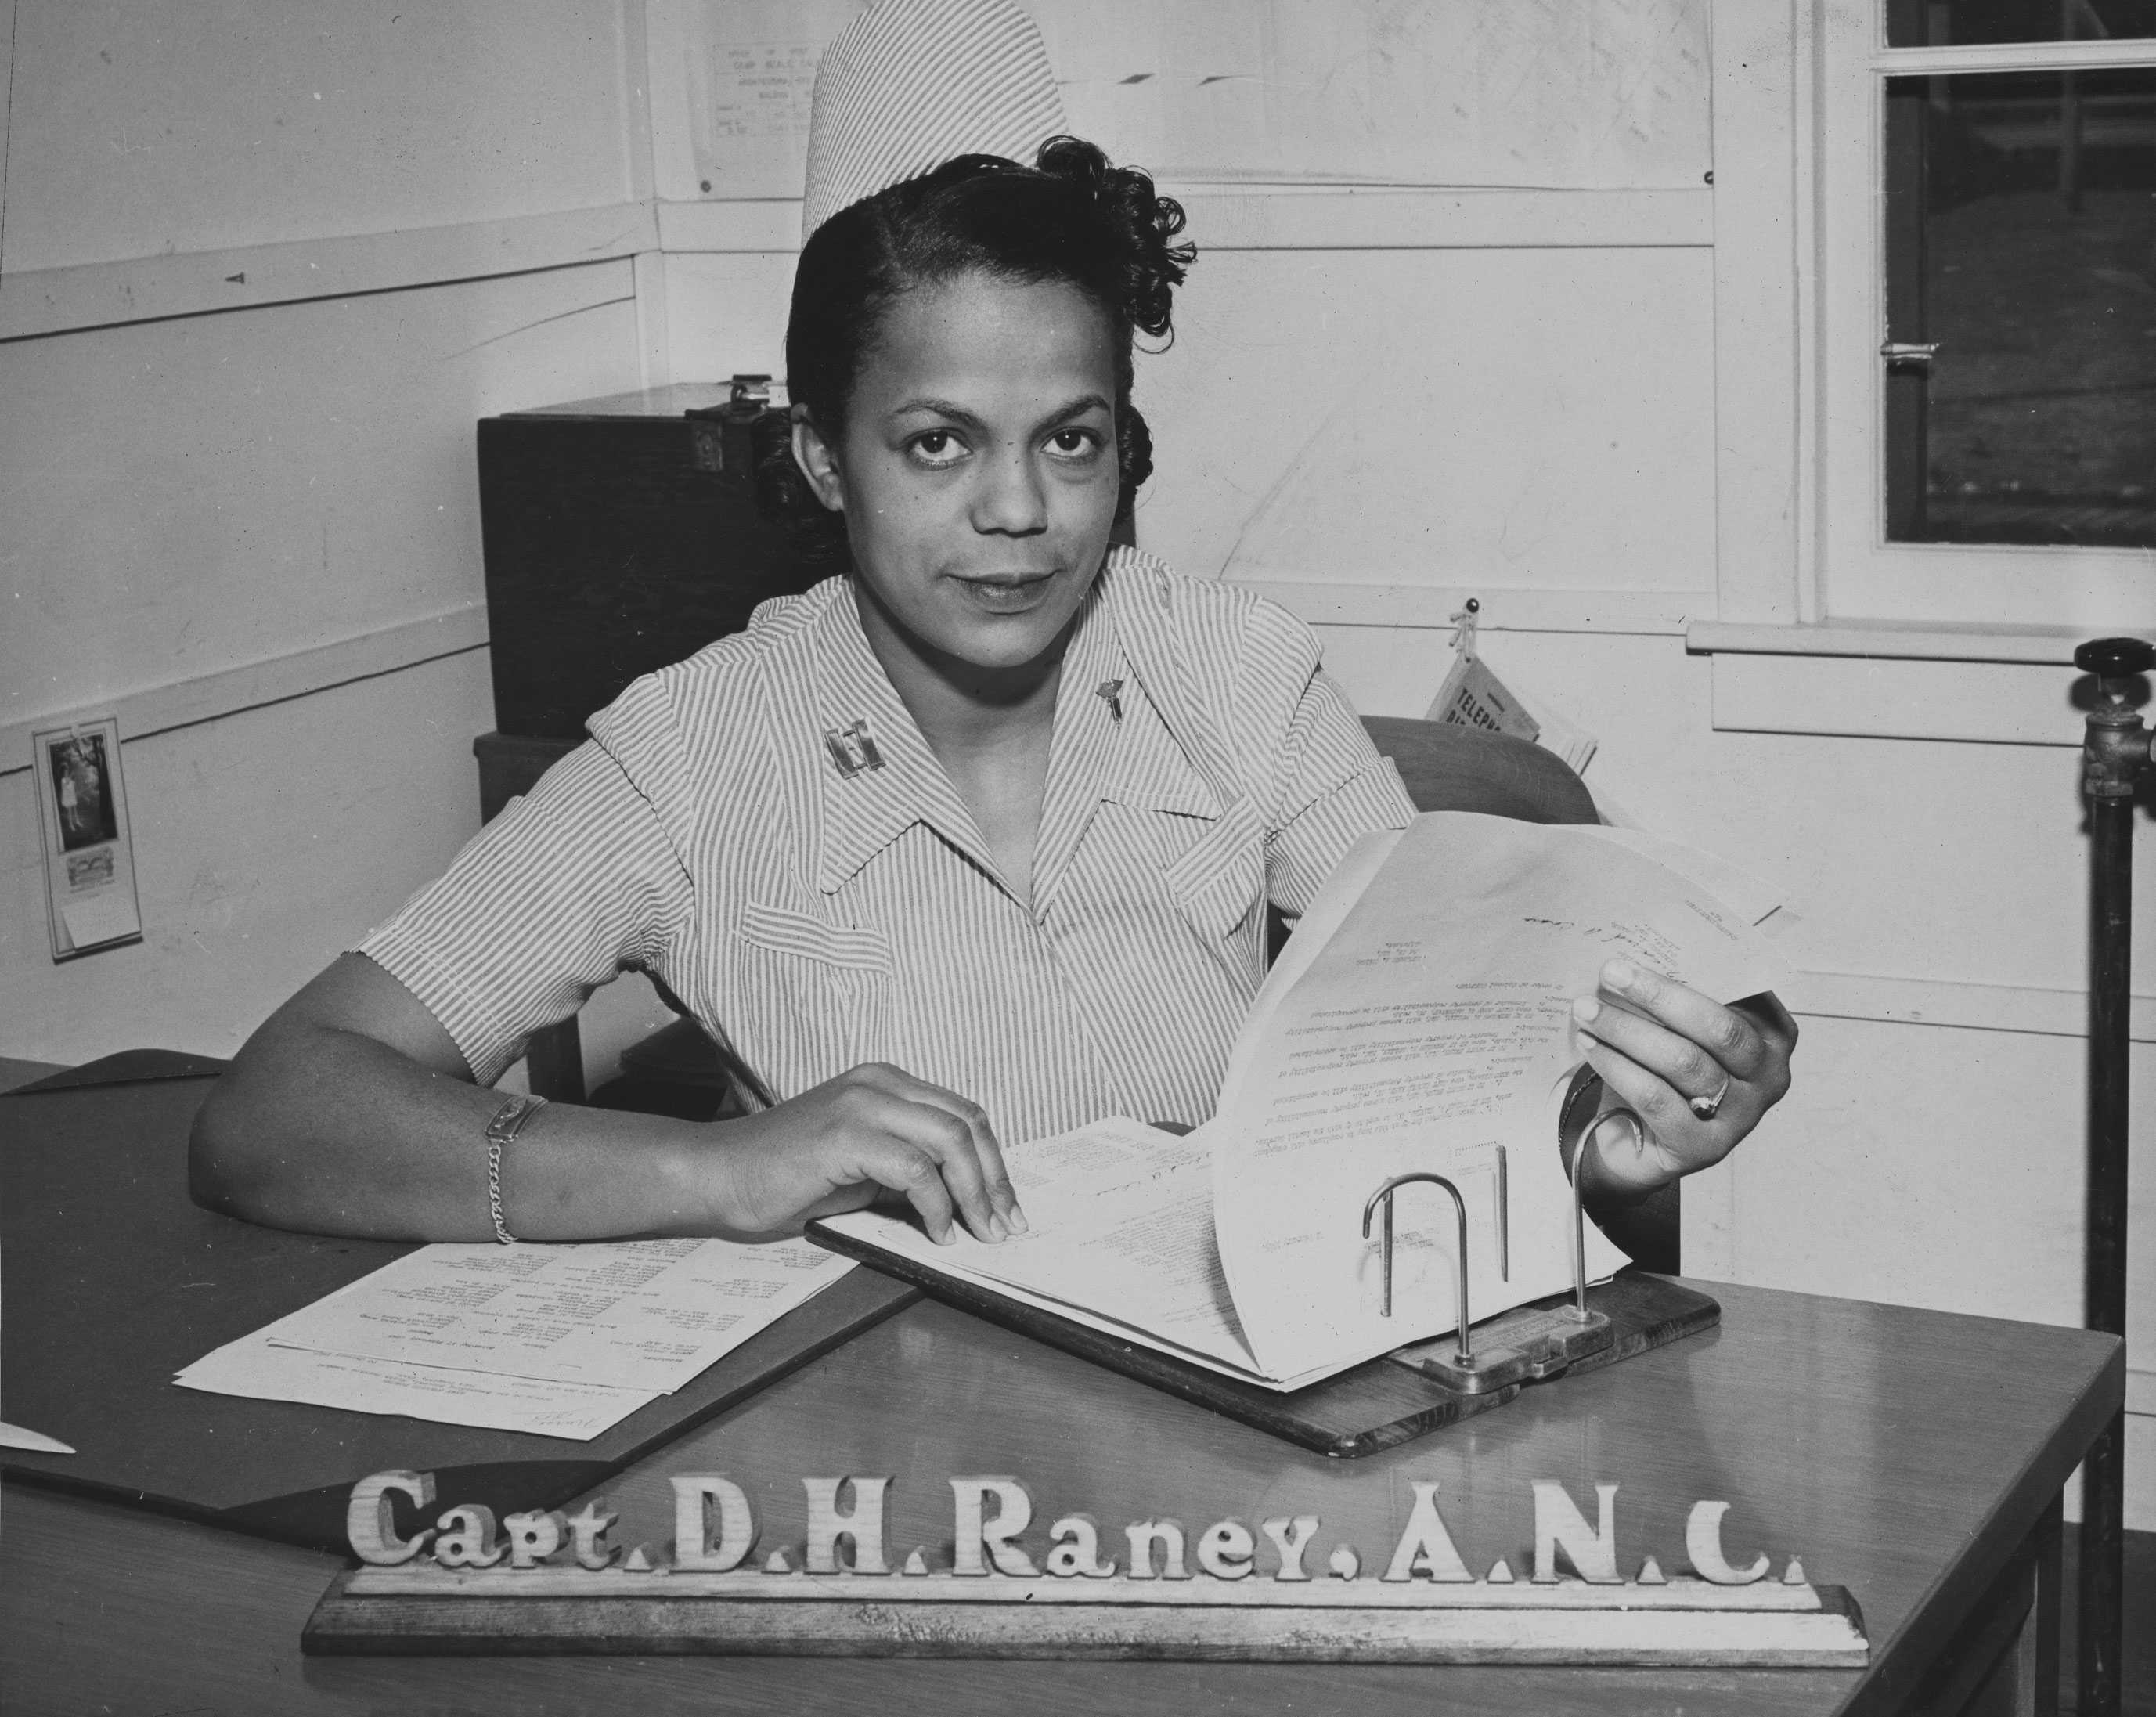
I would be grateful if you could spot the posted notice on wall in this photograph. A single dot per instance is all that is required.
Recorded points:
(90, 851)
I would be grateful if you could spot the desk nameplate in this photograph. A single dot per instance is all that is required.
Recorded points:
(373, 1611)
(462, 1586)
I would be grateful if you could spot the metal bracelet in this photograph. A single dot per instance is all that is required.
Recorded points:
(508, 1120)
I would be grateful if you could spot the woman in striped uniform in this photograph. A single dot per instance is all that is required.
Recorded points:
(971, 842)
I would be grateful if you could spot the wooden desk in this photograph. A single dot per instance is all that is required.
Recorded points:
(1914, 1457)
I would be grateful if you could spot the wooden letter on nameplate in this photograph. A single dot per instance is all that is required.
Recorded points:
(1152, 1591)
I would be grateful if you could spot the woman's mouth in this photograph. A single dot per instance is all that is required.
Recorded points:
(1004, 596)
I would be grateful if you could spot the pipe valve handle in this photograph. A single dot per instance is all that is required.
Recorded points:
(2115, 658)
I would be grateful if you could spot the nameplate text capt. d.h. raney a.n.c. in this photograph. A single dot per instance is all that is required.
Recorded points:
(461, 1580)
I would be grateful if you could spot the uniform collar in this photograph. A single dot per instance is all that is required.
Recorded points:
(1121, 746)
(1094, 703)
(1161, 759)
(867, 811)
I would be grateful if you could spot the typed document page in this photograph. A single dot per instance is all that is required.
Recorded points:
(1431, 1030)
(1120, 1239)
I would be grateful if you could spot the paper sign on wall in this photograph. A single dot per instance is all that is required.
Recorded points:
(89, 851)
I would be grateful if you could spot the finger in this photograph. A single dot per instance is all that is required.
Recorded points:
(987, 1150)
(910, 1171)
(1679, 1063)
(1722, 1033)
(947, 1140)
(997, 1174)
(1681, 1141)
(1002, 1215)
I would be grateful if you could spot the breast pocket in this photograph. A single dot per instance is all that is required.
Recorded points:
(776, 930)
(820, 992)
(1219, 881)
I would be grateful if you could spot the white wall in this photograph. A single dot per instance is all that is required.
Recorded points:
(208, 490)
(1508, 418)
(209, 509)
(204, 125)
(1452, 332)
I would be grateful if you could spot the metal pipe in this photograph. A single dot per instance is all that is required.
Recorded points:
(2115, 751)
(2100, 1607)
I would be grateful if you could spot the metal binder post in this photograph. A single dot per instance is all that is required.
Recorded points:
(1528, 1344)
(1463, 1359)
(1504, 1217)
(1579, 1311)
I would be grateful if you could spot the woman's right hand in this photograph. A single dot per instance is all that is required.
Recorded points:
(874, 1127)
(351, 1111)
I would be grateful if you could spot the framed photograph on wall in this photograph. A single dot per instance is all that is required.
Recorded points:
(90, 852)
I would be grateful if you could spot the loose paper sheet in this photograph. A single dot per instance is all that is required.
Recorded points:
(531, 1337)
(576, 1410)
(1751, 897)
(1433, 1027)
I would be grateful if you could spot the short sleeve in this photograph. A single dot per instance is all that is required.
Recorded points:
(1335, 789)
(568, 887)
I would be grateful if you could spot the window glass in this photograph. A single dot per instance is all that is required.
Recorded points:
(1940, 23)
(2020, 338)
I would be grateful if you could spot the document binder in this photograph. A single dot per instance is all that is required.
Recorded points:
(1398, 1396)
(1378, 1405)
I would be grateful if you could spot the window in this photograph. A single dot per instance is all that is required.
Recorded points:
(1985, 243)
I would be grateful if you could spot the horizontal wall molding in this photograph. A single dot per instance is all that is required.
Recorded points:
(1306, 218)
(2039, 1010)
(43, 301)
(1387, 218)
(300, 673)
(1994, 703)
(1656, 613)
(1888, 641)
(193, 283)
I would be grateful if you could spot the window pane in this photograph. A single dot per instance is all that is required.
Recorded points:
(1939, 23)
(2020, 214)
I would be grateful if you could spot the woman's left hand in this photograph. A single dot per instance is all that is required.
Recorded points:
(1696, 1074)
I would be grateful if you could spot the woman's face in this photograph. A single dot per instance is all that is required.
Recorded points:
(977, 470)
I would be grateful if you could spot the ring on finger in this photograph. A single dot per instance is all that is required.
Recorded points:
(1708, 1107)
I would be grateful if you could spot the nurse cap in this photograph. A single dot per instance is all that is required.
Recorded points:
(910, 84)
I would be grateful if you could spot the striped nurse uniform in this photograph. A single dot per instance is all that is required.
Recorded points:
(821, 905)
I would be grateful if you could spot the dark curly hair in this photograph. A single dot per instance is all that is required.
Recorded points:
(1071, 218)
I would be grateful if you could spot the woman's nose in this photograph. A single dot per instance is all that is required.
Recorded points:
(1011, 500)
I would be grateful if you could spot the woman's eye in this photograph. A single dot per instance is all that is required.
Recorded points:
(1074, 443)
(937, 448)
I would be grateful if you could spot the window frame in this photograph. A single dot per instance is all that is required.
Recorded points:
(1799, 233)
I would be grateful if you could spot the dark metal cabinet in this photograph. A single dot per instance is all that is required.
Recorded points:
(621, 534)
